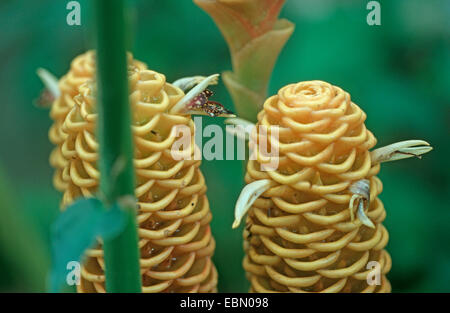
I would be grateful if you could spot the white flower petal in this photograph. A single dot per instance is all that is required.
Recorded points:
(400, 150)
(180, 107)
(187, 83)
(50, 81)
(248, 196)
(363, 217)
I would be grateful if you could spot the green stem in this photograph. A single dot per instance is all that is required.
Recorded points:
(116, 147)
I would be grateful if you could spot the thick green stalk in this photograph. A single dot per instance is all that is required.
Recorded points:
(116, 146)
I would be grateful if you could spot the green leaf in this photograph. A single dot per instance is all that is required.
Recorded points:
(76, 229)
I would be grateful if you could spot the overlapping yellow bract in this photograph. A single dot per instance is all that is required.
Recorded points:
(173, 212)
(82, 69)
(299, 234)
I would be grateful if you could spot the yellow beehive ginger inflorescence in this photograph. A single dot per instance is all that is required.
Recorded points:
(175, 238)
(81, 70)
(301, 234)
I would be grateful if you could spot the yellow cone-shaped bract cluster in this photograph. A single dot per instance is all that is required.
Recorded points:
(81, 70)
(173, 212)
(299, 234)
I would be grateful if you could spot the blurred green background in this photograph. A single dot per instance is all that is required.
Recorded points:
(398, 73)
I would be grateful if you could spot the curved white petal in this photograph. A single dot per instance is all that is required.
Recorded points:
(239, 121)
(363, 217)
(400, 150)
(50, 81)
(180, 107)
(248, 196)
(187, 83)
